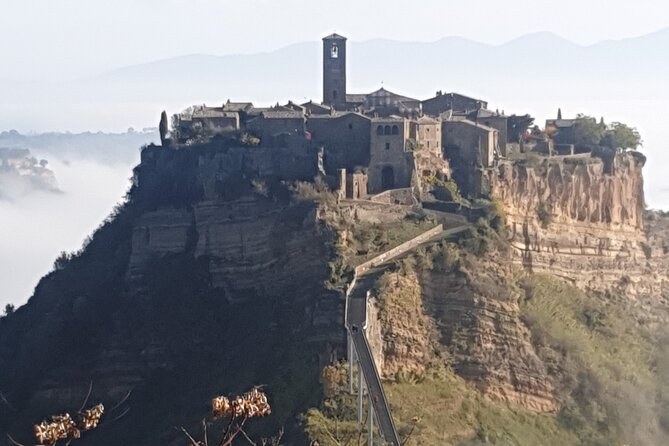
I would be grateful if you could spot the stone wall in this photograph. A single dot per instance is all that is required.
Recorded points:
(345, 138)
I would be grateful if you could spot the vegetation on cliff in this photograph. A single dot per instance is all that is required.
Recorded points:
(605, 366)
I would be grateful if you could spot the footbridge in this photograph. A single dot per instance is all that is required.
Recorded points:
(359, 351)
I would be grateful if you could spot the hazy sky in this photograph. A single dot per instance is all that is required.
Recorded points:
(58, 39)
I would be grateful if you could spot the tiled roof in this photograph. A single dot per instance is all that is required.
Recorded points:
(282, 114)
(237, 106)
(212, 112)
(383, 93)
(485, 113)
(471, 123)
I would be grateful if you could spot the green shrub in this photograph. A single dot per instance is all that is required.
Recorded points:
(544, 214)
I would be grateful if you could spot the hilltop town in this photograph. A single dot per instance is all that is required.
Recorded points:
(485, 280)
(383, 141)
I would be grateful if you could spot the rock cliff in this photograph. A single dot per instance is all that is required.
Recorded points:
(211, 278)
(466, 318)
(581, 218)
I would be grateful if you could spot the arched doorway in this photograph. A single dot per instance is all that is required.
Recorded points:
(387, 178)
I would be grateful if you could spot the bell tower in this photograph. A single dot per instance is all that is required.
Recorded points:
(334, 70)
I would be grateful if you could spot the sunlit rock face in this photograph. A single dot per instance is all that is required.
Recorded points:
(575, 189)
(580, 218)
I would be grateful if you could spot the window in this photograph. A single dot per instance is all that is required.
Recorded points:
(396, 130)
(428, 144)
(334, 51)
(379, 130)
(334, 94)
(387, 146)
(350, 126)
(386, 130)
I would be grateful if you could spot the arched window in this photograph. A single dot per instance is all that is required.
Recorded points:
(379, 130)
(396, 130)
(350, 126)
(334, 94)
(334, 51)
(386, 130)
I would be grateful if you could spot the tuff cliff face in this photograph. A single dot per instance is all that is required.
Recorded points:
(580, 218)
(210, 279)
(465, 318)
(480, 323)
(585, 189)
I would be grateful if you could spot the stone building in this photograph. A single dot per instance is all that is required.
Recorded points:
(477, 142)
(497, 121)
(269, 124)
(391, 160)
(382, 140)
(345, 137)
(451, 101)
(426, 132)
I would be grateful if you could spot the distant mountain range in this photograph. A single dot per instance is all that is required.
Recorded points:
(541, 64)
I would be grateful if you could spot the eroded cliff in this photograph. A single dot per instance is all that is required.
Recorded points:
(211, 278)
(581, 218)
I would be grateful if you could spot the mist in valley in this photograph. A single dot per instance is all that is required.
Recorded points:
(38, 224)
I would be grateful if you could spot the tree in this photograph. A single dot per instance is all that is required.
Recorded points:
(62, 260)
(620, 135)
(517, 126)
(587, 132)
(163, 127)
(9, 309)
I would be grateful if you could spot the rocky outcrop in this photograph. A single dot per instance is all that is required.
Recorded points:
(208, 280)
(578, 217)
(574, 189)
(402, 336)
(465, 318)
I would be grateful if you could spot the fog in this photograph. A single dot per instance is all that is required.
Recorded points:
(37, 227)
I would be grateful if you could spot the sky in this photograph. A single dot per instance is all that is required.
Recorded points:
(71, 39)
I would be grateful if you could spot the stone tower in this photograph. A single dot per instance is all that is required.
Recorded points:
(334, 70)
